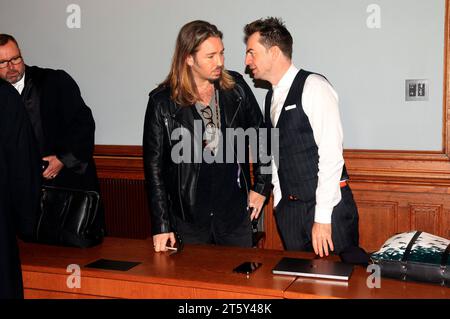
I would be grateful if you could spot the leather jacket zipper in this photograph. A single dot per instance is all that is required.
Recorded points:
(166, 123)
(179, 191)
(237, 110)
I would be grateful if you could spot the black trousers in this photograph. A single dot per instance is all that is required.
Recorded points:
(295, 220)
(191, 233)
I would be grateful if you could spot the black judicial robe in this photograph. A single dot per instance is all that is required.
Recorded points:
(19, 186)
(63, 125)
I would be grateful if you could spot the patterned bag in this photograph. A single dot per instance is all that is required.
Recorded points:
(415, 256)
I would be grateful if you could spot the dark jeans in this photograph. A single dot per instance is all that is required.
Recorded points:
(295, 220)
(220, 208)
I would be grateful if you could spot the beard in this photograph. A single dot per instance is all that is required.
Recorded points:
(14, 76)
(216, 75)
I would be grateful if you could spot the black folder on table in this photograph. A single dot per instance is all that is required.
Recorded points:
(113, 264)
(315, 268)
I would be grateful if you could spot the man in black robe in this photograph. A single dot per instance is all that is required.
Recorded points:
(19, 187)
(62, 123)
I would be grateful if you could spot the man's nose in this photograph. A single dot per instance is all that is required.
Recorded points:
(10, 65)
(219, 61)
(248, 60)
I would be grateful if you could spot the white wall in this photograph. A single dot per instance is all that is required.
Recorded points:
(123, 50)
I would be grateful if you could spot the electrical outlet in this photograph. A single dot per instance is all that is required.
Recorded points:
(416, 90)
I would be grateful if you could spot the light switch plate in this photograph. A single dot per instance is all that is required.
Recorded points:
(416, 90)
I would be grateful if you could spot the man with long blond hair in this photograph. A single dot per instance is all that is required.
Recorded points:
(203, 199)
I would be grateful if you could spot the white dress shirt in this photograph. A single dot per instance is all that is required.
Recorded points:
(19, 85)
(320, 104)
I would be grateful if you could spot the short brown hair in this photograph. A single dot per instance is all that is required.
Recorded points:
(180, 78)
(273, 33)
(5, 38)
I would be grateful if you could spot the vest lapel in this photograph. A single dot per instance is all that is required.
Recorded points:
(292, 97)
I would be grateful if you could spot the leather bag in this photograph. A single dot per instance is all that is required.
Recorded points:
(415, 256)
(69, 217)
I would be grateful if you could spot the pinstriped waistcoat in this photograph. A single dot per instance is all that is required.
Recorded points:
(298, 163)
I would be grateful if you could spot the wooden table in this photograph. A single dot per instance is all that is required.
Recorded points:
(356, 288)
(197, 272)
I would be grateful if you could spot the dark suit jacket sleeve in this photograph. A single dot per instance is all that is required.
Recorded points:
(23, 166)
(154, 148)
(78, 121)
(254, 118)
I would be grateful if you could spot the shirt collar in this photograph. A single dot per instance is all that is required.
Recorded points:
(19, 85)
(288, 78)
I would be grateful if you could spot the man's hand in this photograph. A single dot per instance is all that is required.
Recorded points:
(321, 239)
(54, 167)
(160, 241)
(255, 201)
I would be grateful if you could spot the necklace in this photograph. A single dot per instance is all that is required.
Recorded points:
(216, 104)
(216, 132)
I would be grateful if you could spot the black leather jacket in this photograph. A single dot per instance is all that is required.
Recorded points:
(171, 187)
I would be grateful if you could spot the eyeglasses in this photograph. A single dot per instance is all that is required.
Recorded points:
(208, 116)
(14, 61)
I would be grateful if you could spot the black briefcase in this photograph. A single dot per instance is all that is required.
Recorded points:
(415, 256)
(69, 217)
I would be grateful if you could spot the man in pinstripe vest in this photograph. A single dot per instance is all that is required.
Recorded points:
(314, 206)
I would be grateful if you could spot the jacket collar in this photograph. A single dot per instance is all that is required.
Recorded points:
(230, 101)
(184, 115)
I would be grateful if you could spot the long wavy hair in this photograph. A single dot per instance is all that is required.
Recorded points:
(180, 78)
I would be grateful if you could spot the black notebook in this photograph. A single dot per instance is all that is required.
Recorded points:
(315, 268)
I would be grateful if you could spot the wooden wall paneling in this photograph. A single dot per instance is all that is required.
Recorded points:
(378, 221)
(446, 223)
(121, 174)
(426, 217)
(421, 207)
(119, 162)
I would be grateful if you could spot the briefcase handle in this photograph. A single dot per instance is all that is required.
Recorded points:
(444, 266)
(408, 249)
